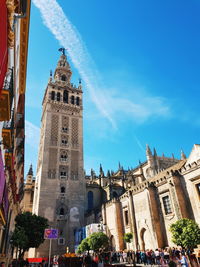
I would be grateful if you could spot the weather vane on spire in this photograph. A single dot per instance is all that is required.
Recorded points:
(62, 49)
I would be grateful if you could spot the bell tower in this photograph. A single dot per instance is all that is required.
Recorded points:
(60, 183)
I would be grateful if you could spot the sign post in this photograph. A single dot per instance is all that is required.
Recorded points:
(50, 234)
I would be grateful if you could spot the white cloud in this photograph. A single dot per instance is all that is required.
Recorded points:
(110, 105)
(32, 134)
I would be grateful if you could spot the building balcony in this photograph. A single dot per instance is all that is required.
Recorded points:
(6, 98)
(7, 133)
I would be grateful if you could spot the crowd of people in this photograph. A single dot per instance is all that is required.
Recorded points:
(160, 257)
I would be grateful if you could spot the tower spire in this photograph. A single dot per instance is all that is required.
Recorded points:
(148, 151)
(30, 172)
(183, 156)
(63, 72)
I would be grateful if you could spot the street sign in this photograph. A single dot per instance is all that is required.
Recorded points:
(50, 233)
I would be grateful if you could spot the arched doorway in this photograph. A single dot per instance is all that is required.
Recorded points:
(142, 243)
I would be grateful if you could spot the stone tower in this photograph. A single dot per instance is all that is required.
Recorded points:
(60, 184)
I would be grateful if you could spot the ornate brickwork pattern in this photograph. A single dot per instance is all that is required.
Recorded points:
(74, 132)
(74, 165)
(52, 163)
(65, 121)
(54, 129)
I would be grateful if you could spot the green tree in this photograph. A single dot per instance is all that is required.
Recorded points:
(98, 241)
(29, 232)
(128, 237)
(84, 246)
(185, 233)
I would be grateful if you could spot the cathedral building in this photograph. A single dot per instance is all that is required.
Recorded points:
(60, 184)
(144, 200)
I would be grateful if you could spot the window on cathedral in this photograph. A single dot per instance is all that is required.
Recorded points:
(126, 217)
(198, 188)
(64, 129)
(64, 142)
(65, 96)
(58, 96)
(63, 78)
(72, 100)
(63, 174)
(63, 158)
(115, 194)
(90, 200)
(167, 205)
(61, 241)
(62, 189)
(52, 174)
(62, 211)
(77, 101)
(52, 95)
(74, 175)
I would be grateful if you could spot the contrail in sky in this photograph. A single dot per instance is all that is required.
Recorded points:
(110, 105)
(67, 35)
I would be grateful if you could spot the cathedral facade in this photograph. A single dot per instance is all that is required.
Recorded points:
(144, 200)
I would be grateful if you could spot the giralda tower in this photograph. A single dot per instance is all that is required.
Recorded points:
(60, 183)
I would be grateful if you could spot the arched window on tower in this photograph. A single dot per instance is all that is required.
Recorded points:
(63, 77)
(52, 95)
(90, 200)
(65, 96)
(115, 194)
(77, 101)
(62, 211)
(72, 100)
(62, 189)
(58, 96)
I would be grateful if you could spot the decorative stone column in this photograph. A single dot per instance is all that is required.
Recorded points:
(155, 217)
(133, 221)
(119, 223)
(181, 200)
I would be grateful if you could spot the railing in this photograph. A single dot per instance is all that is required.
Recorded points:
(63, 177)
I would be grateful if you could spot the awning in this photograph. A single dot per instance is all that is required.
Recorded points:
(3, 43)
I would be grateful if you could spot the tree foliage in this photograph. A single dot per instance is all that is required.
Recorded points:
(29, 231)
(185, 233)
(95, 241)
(84, 246)
(128, 237)
(98, 241)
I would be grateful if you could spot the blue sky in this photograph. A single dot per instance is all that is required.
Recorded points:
(140, 63)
